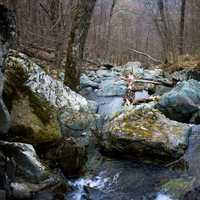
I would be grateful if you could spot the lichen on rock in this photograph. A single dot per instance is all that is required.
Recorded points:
(145, 133)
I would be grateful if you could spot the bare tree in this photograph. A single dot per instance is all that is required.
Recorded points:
(182, 27)
(81, 13)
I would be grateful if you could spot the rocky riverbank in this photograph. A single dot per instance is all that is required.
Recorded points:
(131, 133)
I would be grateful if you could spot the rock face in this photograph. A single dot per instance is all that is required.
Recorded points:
(34, 120)
(26, 174)
(4, 115)
(27, 162)
(45, 101)
(68, 155)
(112, 88)
(7, 34)
(182, 102)
(178, 188)
(145, 133)
(187, 74)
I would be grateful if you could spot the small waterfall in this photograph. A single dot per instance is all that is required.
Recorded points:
(163, 197)
(99, 182)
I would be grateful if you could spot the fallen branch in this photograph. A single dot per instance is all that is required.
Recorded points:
(146, 55)
(131, 79)
(139, 101)
(91, 62)
(175, 162)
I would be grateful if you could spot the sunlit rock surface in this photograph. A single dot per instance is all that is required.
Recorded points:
(182, 102)
(44, 99)
(145, 133)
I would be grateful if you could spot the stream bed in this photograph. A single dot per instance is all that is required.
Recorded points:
(116, 179)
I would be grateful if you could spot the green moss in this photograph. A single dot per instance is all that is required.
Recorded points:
(178, 187)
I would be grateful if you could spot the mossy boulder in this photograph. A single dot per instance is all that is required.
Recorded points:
(68, 155)
(39, 104)
(34, 119)
(144, 133)
(178, 188)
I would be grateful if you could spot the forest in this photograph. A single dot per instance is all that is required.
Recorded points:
(99, 100)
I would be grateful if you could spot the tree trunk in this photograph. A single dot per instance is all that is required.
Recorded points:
(182, 27)
(81, 12)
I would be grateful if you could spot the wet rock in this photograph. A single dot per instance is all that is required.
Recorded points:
(134, 68)
(53, 185)
(48, 196)
(178, 188)
(86, 82)
(112, 87)
(44, 99)
(110, 106)
(27, 162)
(153, 74)
(161, 90)
(182, 102)
(105, 74)
(7, 34)
(4, 114)
(144, 133)
(76, 123)
(68, 155)
(194, 194)
(187, 74)
(26, 174)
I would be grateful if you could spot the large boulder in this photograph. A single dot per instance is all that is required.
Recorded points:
(112, 87)
(68, 155)
(144, 133)
(178, 188)
(37, 101)
(182, 102)
(27, 162)
(4, 114)
(7, 33)
(27, 174)
(134, 68)
(186, 74)
(86, 82)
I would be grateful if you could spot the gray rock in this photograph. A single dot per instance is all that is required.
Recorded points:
(69, 155)
(86, 82)
(65, 101)
(27, 190)
(178, 188)
(7, 34)
(27, 162)
(182, 102)
(110, 106)
(145, 133)
(134, 68)
(187, 74)
(112, 87)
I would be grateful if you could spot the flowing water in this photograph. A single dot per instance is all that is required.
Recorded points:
(128, 179)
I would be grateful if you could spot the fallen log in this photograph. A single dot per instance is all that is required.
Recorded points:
(146, 55)
(139, 101)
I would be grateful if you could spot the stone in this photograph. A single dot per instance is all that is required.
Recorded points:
(86, 82)
(134, 68)
(178, 188)
(53, 185)
(144, 133)
(69, 155)
(112, 87)
(187, 74)
(46, 100)
(182, 102)
(7, 35)
(27, 162)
